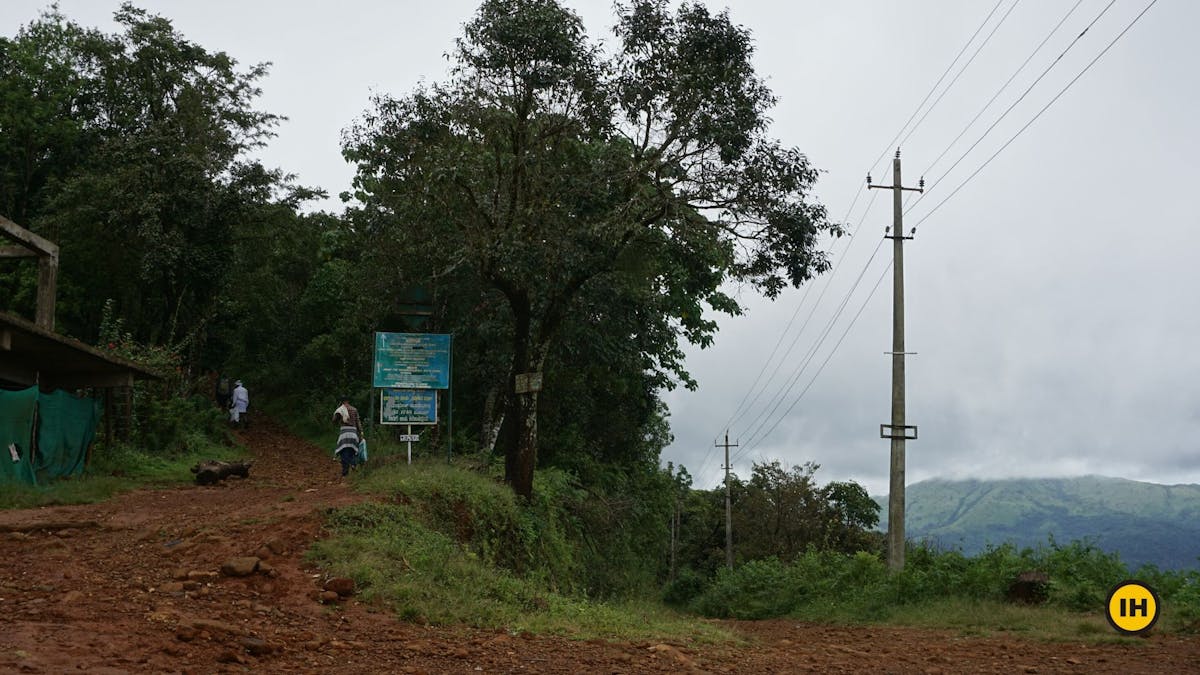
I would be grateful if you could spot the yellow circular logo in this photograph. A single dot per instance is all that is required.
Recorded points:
(1132, 607)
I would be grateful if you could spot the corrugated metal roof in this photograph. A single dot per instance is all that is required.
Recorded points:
(30, 355)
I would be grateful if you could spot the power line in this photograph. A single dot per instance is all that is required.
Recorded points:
(1039, 113)
(828, 280)
(962, 70)
(756, 438)
(785, 390)
(1003, 87)
(742, 407)
(739, 412)
(1016, 102)
(962, 51)
(736, 415)
(751, 444)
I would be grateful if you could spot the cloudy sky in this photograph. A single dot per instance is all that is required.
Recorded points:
(1052, 300)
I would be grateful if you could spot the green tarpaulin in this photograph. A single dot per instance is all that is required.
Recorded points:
(66, 425)
(16, 435)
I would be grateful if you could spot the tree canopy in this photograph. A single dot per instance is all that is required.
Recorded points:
(548, 169)
(131, 149)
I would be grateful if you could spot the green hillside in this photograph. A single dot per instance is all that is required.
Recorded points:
(1143, 522)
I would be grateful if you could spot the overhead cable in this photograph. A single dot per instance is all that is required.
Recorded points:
(961, 71)
(1014, 104)
(1039, 113)
(1004, 86)
(767, 434)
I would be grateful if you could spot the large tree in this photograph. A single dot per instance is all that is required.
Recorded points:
(131, 150)
(549, 168)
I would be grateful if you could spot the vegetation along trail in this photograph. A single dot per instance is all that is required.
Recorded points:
(135, 584)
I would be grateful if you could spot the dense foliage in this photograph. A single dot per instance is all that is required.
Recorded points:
(823, 585)
(130, 151)
(592, 203)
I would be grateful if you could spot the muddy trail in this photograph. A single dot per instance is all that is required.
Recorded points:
(136, 585)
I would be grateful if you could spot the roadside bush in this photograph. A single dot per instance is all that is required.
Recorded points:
(174, 425)
(1081, 575)
(759, 589)
(619, 520)
(483, 514)
(684, 588)
(823, 584)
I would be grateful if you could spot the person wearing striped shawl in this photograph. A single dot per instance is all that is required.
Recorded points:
(349, 434)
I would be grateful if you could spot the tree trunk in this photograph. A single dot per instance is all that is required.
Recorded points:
(520, 423)
(523, 458)
(213, 471)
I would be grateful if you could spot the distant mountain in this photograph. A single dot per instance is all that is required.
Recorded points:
(1143, 522)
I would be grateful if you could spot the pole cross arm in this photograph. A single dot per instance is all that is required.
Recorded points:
(893, 187)
(24, 238)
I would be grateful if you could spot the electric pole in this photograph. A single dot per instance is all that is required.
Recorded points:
(897, 431)
(728, 504)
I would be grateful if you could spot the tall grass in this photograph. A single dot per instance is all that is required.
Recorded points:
(449, 545)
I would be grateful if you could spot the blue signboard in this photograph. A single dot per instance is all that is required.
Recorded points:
(412, 361)
(407, 406)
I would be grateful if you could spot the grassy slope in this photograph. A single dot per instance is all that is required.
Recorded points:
(435, 546)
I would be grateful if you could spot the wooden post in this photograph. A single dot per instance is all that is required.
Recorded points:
(46, 290)
(30, 244)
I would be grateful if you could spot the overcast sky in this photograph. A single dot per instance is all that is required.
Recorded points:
(1052, 301)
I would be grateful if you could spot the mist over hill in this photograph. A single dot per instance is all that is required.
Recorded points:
(1142, 522)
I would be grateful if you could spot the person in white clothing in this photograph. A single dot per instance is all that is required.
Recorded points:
(239, 405)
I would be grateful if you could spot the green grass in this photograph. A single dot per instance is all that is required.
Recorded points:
(985, 618)
(453, 546)
(113, 471)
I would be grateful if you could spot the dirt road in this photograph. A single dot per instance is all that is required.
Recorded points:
(135, 585)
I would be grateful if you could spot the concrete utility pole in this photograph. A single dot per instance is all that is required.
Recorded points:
(897, 431)
(728, 504)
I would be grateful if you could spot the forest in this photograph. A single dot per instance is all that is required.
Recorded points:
(560, 209)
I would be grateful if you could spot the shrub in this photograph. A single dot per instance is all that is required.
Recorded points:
(1081, 575)
(759, 589)
(484, 515)
(684, 588)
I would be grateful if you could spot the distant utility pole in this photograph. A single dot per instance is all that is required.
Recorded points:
(728, 504)
(897, 431)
